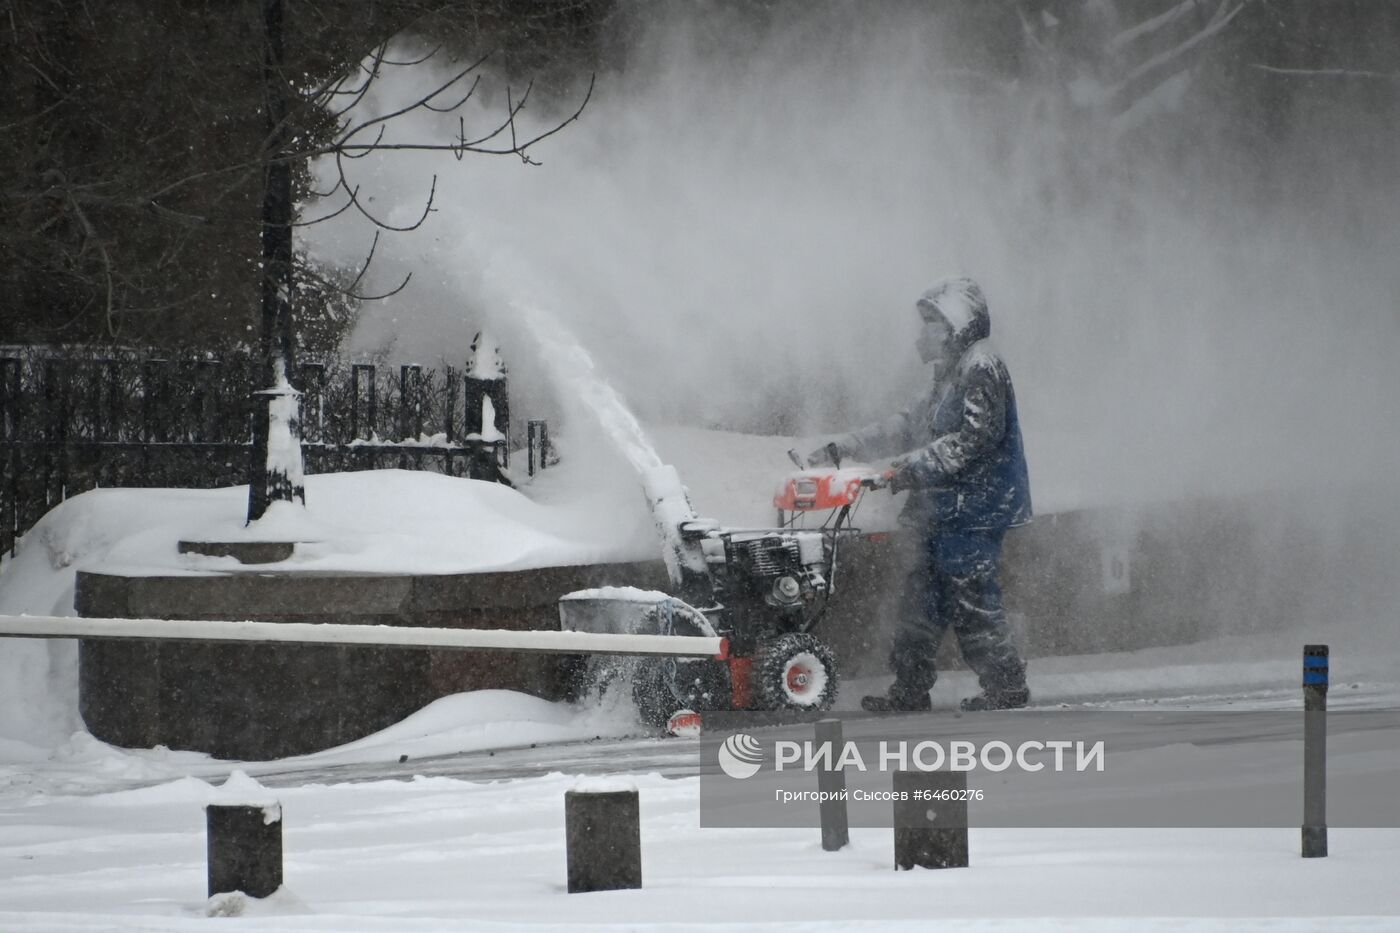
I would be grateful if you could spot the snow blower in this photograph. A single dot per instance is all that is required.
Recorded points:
(763, 590)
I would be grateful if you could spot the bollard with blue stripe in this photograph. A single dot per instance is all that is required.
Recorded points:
(1315, 666)
(1315, 683)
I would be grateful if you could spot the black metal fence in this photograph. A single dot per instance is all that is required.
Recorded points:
(72, 422)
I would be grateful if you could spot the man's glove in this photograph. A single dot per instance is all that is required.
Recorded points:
(903, 480)
(878, 481)
(902, 476)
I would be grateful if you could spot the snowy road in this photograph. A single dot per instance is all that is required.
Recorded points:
(671, 757)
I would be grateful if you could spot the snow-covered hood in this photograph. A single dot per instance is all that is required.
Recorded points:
(960, 302)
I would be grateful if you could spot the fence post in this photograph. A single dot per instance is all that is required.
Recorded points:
(149, 415)
(205, 399)
(93, 399)
(11, 375)
(1315, 682)
(537, 444)
(484, 381)
(116, 403)
(410, 410)
(245, 849)
(502, 405)
(9, 399)
(53, 421)
(603, 838)
(930, 822)
(362, 373)
(831, 788)
(154, 385)
(449, 414)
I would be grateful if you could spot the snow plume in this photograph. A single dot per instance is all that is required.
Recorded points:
(739, 225)
(575, 375)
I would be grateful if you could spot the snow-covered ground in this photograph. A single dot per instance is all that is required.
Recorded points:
(442, 854)
(467, 834)
(100, 839)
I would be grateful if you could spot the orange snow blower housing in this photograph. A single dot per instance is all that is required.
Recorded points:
(827, 489)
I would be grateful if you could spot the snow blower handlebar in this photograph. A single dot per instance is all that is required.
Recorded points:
(880, 480)
(825, 489)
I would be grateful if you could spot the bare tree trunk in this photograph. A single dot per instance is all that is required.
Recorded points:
(275, 473)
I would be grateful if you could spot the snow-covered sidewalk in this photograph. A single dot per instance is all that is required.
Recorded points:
(97, 838)
(442, 854)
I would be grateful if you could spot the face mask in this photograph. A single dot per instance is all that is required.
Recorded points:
(934, 340)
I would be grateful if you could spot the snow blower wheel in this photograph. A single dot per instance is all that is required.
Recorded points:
(653, 700)
(795, 671)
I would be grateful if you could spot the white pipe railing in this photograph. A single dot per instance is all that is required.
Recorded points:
(383, 636)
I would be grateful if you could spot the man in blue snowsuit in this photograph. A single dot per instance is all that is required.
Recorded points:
(963, 464)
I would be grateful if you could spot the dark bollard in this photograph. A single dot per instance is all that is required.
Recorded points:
(537, 446)
(930, 832)
(1315, 677)
(603, 833)
(831, 785)
(245, 849)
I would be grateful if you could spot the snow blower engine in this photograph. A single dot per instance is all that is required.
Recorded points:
(763, 590)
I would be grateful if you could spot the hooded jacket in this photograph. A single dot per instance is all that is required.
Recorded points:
(961, 437)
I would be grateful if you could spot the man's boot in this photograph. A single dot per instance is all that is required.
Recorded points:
(898, 699)
(1013, 698)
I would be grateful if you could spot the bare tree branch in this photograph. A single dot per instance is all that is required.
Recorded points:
(92, 236)
(476, 82)
(383, 224)
(352, 290)
(1149, 26)
(1160, 62)
(379, 138)
(351, 132)
(337, 212)
(414, 61)
(1330, 73)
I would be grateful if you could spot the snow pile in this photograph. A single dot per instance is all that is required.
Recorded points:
(462, 723)
(630, 594)
(489, 432)
(485, 360)
(382, 521)
(482, 719)
(605, 784)
(240, 790)
(238, 904)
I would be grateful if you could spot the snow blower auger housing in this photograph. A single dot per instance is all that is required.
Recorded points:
(763, 590)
